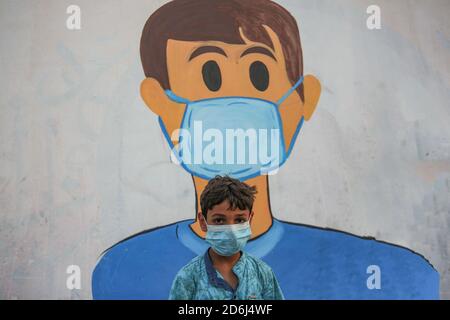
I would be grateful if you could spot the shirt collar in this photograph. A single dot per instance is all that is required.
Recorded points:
(214, 279)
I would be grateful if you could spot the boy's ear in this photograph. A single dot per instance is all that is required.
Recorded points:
(202, 221)
(156, 99)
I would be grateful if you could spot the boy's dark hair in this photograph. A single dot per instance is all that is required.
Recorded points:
(239, 194)
(219, 20)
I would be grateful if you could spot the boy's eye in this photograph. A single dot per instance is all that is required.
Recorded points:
(259, 75)
(218, 221)
(212, 76)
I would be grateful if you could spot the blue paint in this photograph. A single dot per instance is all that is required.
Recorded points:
(290, 91)
(232, 113)
(310, 263)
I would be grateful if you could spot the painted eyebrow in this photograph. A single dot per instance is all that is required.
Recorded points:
(206, 49)
(260, 50)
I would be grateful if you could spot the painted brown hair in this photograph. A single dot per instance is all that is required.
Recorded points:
(218, 20)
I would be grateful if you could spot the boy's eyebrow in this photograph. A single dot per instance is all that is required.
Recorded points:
(240, 215)
(260, 50)
(206, 49)
(218, 214)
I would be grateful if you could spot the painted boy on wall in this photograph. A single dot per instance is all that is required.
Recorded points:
(214, 65)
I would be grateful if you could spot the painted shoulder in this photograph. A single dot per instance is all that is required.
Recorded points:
(130, 266)
(349, 244)
(405, 273)
(142, 241)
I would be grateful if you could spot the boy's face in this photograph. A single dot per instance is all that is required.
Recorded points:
(221, 214)
(186, 63)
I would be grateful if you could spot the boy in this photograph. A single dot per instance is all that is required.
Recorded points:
(226, 272)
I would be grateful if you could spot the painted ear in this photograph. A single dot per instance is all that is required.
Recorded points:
(294, 109)
(155, 97)
(171, 113)
(312, 90)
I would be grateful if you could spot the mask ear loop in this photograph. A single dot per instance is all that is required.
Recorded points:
(300, 125)
(175, 98)
(290, 91)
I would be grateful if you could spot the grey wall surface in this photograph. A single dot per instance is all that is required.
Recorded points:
(83, 163)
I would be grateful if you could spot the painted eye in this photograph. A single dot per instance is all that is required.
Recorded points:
(259, 75)
(212, 76)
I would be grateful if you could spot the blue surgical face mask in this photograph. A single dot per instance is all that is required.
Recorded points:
(228, 239)
(219, 136)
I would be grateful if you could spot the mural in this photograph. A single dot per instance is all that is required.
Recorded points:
(211, 66)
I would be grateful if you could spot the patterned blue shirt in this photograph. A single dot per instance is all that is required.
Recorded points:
(199, 280)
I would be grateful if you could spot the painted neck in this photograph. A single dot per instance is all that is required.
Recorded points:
(262, 218)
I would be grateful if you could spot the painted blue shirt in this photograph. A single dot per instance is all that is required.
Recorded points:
(199, 280)
(309, 263)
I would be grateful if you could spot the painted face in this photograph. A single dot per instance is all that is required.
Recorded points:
(215, 69)
(211, 70)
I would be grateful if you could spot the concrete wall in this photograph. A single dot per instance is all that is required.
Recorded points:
(83, 163)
